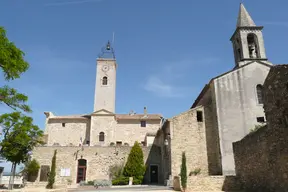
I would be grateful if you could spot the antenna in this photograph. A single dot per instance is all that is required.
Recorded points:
(113, 37)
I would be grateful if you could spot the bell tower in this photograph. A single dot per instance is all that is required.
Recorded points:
(247, 40)
(105, 86)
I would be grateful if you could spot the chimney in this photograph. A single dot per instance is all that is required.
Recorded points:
(145, 111)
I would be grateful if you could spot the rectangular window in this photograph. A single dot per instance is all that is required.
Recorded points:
(143, 143)
(63, 124)
(199, 116)
(260, 119)
(88, 142)
(119, 143)
(143, 123)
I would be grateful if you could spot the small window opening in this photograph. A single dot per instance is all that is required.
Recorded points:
(88, 142)
(259, 89)
(112, 144)
(63, 124)
(143, 143)
(143, 123)
(101, 136)
(253, 46)
(126, 144)
(260, 119)
(105, 81)
(118, 143)
(239, 53)
(199, 116)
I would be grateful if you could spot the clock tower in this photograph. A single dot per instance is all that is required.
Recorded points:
(105, 87)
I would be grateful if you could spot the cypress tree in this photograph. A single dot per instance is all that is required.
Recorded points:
(183, 172)
(52, 174)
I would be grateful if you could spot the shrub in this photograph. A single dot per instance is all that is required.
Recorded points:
(135, 164)
(102, 183)
(195, 172)
(183, 172)
(121, 181)
(52, 174)
(90, 183)
(69, 181)
(138, 180)
(31, 170)
(115, 171)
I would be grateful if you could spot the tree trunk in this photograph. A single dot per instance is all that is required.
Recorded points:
(10, 186)
(13, 175)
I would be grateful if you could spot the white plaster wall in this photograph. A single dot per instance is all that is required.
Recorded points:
(237, 108)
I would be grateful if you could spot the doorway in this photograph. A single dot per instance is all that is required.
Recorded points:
(154, 174)
(81, 170)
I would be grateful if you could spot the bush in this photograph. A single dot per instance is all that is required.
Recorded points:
(31, 170)
(121, 181)
(135, 164)
(195, 172)
(90, 183)
(138, 181)
(115, 171)
(52, 174)
(183, 172)
(102, 183)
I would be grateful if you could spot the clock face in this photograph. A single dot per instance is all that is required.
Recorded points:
(105, 68)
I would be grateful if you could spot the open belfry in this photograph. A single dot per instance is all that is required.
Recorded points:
(223, 113)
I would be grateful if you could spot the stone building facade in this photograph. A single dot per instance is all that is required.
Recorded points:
(231, 101)
(261, 157)
(89, 144)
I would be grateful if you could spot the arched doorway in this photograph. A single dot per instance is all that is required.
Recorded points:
(81, 170)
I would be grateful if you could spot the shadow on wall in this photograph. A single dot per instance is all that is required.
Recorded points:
(154, 173)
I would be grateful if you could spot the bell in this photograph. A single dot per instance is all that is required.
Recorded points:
(108, 46)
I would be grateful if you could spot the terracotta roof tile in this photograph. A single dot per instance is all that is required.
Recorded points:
(138, 116)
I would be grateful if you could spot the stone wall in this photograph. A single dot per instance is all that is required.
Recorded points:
(188, 135)
(261, 160)
(125, 131)
(99, 159)
(212, 132)
(70, 133)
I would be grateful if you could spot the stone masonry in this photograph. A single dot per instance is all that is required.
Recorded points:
(261, 157)
(99, 159)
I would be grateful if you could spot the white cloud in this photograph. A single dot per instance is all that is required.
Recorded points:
(155, 85)
(171, 80)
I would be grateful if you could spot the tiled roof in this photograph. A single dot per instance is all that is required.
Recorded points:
(138, 116)
(117, 116)
(70, 117)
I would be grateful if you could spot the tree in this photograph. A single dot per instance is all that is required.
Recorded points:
(31, 170)
(13, 65)
(20, 136)
(135, 164)
(183, 172)
(52, 174)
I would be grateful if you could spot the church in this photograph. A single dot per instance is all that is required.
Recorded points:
(227, 108)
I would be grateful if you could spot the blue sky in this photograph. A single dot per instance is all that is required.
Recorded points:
(166, 50)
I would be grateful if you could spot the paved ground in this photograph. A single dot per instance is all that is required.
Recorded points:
(127, 189)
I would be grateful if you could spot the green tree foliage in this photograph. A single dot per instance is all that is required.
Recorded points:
(31, 169)
(135, 164)
(52, 174)
(183, 172)
(13, 65)
(20, 136)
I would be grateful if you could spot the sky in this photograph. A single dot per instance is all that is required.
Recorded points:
(166, 50)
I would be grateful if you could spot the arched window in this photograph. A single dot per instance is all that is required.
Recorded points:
(259, 89)
(105, 81)
(253, 46)
(101, 136)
